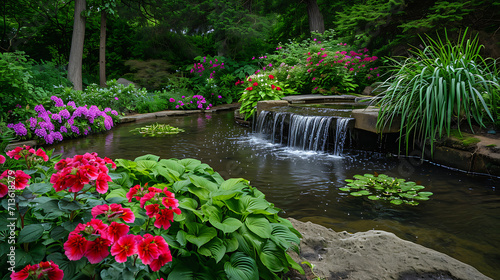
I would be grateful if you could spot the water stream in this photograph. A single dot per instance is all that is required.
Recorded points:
(462, 219)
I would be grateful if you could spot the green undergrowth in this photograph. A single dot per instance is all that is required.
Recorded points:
(227, 229)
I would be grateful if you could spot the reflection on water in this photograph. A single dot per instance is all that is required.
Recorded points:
(462, 219)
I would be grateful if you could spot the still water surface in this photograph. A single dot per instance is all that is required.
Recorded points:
(462, 219)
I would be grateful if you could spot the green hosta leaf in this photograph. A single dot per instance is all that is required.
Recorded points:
(203, 183)
(259, 226)
(181, 186)
(173, 165)
(202, 235)
(117, 193)
(40, 188)
(216, 249)
(202, 194)
(282, 235)
(231, 244)
(233, 184)
(188, 204)
(223, 195)
(273, 257)
(241, 267)
(248, 204)
(167, 173)
(227, 226)
(148, 157)
(182, 271)
(30, 233)
(189, 163)
(144, 165)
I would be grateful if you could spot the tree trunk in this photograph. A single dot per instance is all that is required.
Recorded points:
(316, 23)
(76, 52)
(102, 51)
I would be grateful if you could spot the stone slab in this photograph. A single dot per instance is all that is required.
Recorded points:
(366, 119)
(14, 145)
(268, 104)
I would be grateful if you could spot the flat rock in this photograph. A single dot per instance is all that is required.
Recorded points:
(373, 254)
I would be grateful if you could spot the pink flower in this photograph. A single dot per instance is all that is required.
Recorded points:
(2, 159)
(116, 98)
(75, 247)
(171, 99)
(97, 250)
(249, 88)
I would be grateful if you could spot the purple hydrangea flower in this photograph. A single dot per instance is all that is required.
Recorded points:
(33, 122)
(40, 132)
(56, 117)
(56, 135)
(58, 101)
(49, 138)
(39, 108)
(63, 129)
(65, 114)
(72, 104)
(71, 121)
(75, 129)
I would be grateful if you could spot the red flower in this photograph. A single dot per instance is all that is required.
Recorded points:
(42, 154)
(163, 259)
(133, 191)
(97, 250)
(152, 210)
(147, 249)
(44, 270)
(278, 88)
(125, 247)
(3, 190)
(75, 247)
(170, 200)
(21, 179)
(2, 159)
(273, 86)
(115, 231)
(164, 218)
(255, 84)
(249, 88)
(271, 77)
(101, 183)
(16, 153)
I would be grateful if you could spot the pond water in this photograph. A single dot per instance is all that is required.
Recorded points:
(462, 219)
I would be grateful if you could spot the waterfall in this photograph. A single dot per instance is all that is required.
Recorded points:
(314, 133)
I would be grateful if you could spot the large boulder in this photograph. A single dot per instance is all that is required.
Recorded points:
(373, 254)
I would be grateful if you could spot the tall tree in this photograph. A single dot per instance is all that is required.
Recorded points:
(102, 50)
(77, 41)
(316, 22)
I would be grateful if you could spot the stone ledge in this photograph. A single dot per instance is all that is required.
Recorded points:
(366, 119)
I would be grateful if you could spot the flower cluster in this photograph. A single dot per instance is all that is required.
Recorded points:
(68, 121)
(44, 270)
(159, 204)
(16, 180)
(200, 68)
(254, 84)
(74, 173)
(187, 102)
(95, 239)
(28, 154)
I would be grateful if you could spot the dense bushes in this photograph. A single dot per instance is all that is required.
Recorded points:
(95, 218)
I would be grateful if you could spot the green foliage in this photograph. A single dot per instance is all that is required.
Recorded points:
(227, 229)
(443, 84)
(259, 87)
(116, 96)
(156, 130)
(383, 187)
(153, 74)
(16, 90)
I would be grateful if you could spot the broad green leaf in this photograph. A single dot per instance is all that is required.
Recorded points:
(202, 194)
(149, 157)
(259, 225)
(181, 186)
(40, 188)
(58, 233)
(174, 165)
(143, 165)
(188, 204)
(273, 257)
(241, 267)
(233, 184)
(38, 253)
(169, 174)
(189, 163)
(66, 205)
(201, 182)
(117, 193)
(216, 249)
(227, 226)
(248, 204)
(202, 235)
(30, 233)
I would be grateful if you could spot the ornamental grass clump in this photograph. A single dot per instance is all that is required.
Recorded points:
(440, 86)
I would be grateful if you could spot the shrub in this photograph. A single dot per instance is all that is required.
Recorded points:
(443, 84)
(259, 87)
(226, 229)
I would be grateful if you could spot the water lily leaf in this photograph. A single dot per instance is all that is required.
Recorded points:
(374, 197)
(345, 189)
(360, 193)
(425, 193)
(397, 201)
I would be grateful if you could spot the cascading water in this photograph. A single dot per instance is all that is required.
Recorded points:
(314, 133)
